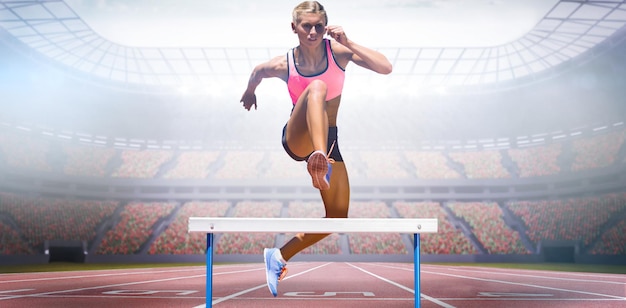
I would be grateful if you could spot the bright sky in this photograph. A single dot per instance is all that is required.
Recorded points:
(247, 23)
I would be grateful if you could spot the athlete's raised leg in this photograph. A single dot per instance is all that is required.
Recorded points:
(307, 128)
(306, 132)
(336, 203)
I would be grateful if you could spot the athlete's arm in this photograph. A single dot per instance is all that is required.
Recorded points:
(276, 67)
(362, 56)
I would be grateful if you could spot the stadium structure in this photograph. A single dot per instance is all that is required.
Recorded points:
(518, 149)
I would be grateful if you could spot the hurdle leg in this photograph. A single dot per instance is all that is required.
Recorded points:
(416, 268)
(209, 269)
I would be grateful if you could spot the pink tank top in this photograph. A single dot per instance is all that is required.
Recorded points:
(333, 76)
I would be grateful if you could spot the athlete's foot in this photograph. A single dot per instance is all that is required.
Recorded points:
(317, 165)
(275, 269)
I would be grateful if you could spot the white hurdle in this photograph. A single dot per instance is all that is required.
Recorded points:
(211, 225)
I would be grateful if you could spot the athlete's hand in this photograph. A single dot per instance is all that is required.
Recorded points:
(336, 32)
(248, 99)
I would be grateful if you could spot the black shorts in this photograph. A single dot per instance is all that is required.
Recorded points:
(332, 137)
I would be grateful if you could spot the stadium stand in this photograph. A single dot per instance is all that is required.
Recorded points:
(22, 151)
(175, 239)
(481, 164)
(11, 242)
(369, 209)
(537, 161)
(485, 219)
(568, 219)
(583, 218)
(283, 167)
(141, 164)
(192, 165)
(328, 245)
(383, 165)
(431, 165)
(373, 243)
(239, 165)
(597, 151)
(87, 161)
(40, 219)
(134, 227)
(447, 240)
(313, 209)
(612, 241)
(252, 243)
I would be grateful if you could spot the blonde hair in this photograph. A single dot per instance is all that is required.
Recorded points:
(309, 7)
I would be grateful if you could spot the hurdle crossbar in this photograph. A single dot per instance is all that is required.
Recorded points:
(211, 225)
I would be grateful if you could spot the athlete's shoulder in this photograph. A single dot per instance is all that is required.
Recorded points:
(276, 67)
(338, 47)
(278, 62)
(342, 54)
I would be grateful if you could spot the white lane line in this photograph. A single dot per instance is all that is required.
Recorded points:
(122, 273)
(514, 283)
(542, 272)
(509, 273)
(534, 299)
(535, 276)
(15, 291)
(124, 284)
(101, 287)
(125, 272)
(225, 298)
(105, 297)
(431, 299)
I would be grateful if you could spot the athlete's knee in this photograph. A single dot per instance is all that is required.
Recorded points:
(318, 87)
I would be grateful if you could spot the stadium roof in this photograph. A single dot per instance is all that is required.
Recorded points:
(563, 31)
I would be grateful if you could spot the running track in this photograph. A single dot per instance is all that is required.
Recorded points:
(314, 284)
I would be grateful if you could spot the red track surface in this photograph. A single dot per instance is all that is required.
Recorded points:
(314, 284)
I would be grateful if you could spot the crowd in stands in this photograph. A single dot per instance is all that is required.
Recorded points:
(481, 164)
(431, 165)
(240, 165)
(568, 219)
(87, 161)
(354, 165)
(369, 209)
(485, 219)
(250, 243)
(27, 151)
(177, 240)
(281, 166)
(300, 209)
(135, 225)
(257, 209)
(192, 165)
(373, 243)
(382, 165)
(447, 240)
(40, 219)
(11, 242)
(612, 242)
(538, 160)
(26, 222)
(597, 151)
(310, 209)
(376, 243)
(141, 164)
